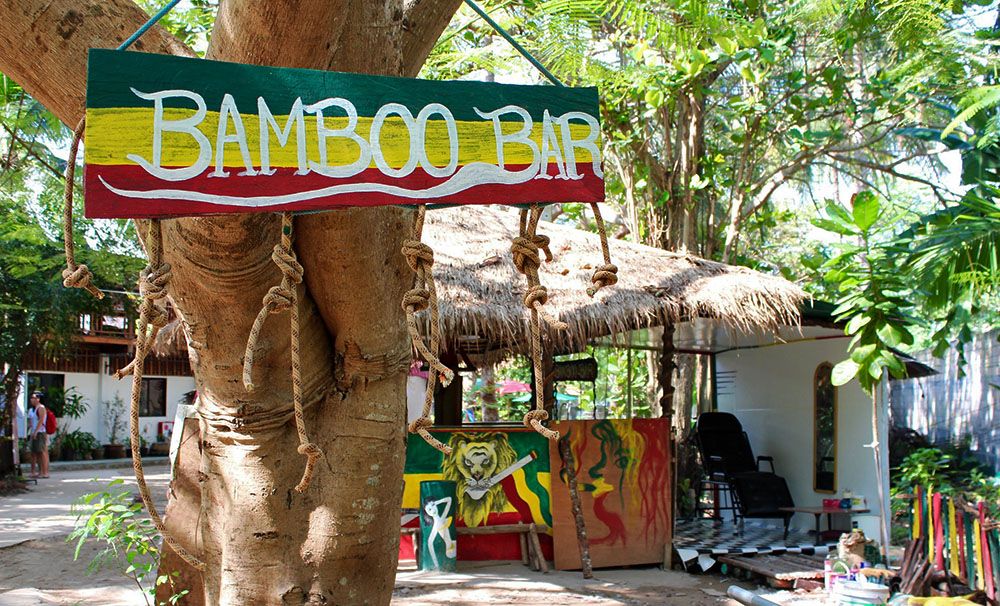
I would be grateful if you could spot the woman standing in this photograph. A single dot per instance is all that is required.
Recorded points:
(39, 438)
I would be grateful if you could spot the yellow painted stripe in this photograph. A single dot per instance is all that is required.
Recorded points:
(411, 487)
(534, 503)
(978, 546)
(930, 528)
(953, 539)
(114, 133)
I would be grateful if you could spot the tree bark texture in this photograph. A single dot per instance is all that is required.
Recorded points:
(263, 543)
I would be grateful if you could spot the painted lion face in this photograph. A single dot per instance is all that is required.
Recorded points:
(479, 461)
(476, 458)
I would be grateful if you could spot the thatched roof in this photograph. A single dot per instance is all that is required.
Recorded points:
(481, 292)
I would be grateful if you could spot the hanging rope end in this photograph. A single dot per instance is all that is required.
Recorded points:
(605, 275)
(313, 454)
(81, 277)
(534, 418)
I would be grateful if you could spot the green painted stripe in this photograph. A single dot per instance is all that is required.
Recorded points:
(111, 74)
(531, 479)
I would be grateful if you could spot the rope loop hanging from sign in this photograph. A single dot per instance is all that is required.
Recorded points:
(75, 275)
(152, 316)
(280, 298)
(607, 274)
(524, 250)
(423, 295)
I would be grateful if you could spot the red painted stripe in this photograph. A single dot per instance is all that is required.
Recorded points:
(103, 203)
(485, 547)
(939, 523)
(987, 557)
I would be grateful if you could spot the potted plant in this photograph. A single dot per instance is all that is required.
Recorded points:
(56, 445)
(161, 447)
(87, 444)
(68, 444)
(114, 423)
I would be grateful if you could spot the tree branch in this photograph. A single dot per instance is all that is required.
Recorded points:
(891, 170)
(423, 22)
(27, 148)
(53, 68)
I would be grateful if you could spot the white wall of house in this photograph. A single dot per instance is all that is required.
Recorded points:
(770, 389)
(97, 388)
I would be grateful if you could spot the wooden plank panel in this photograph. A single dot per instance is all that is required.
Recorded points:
(173, 136)
(624, 479)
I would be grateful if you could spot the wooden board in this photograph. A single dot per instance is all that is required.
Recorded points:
(786, 567)
(171, 136)
(624, 479)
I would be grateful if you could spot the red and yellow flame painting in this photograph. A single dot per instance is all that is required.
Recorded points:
(623, 477)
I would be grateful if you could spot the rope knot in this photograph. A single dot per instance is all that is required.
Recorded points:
(605, 275)
(542, 242)
(525, 254)
(81, 277)
(536, 294)
(153, 281)
(289, 265)
(278, 299)
(416, 299)
(417, 254)
(313, 454)
(310, 449)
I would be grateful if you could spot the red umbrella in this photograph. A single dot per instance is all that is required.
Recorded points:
(508, 386)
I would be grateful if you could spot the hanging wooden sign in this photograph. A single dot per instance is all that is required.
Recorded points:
(173, 136)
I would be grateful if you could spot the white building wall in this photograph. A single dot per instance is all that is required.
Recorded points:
(99, 387)
(770, 389)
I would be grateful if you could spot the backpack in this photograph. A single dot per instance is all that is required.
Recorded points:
(50, 422)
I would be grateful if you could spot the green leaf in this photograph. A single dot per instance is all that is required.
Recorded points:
(844, 371)
(866, 209)
(857, 323)
(835, 226)
(875, 368)
(889, 334)
(858, 354)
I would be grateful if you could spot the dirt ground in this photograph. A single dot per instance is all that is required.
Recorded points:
(37, 567)
(42, 572)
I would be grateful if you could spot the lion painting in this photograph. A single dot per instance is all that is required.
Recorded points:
(474, 460)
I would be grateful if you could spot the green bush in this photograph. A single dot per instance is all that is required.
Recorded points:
(131, 543)
(951, 470)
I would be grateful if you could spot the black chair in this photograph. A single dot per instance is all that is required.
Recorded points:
(732, 470)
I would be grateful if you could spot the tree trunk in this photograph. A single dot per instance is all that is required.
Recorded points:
(491, 413)
(262, 542)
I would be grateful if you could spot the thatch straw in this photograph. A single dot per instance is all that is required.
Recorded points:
(481, 291)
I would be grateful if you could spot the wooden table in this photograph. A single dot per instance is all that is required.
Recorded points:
(819, 512)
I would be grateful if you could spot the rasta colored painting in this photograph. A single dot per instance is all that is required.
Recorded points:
(174, 136)
(502, 477)
(623, 477)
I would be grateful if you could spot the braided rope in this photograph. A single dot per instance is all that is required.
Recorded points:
(524, 250)
(423, 295)
(278, 299)
(152, 316)
(607, 274)
(74, 276)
